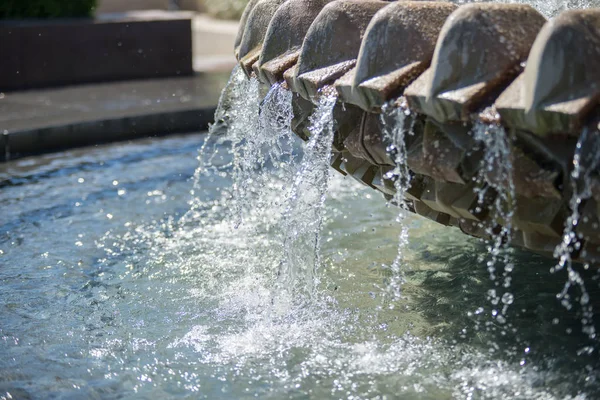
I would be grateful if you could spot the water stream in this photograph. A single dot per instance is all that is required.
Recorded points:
(394, 129)
(586, 161)
(496, 174)
(303, 216)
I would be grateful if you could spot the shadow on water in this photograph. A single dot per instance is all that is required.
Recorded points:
(455, 299)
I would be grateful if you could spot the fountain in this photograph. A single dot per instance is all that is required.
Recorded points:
(461, 114)
(278, 278)
(455, 71)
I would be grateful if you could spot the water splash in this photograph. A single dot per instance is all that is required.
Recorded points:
(275, 120)
(548, 8)
(303, 217)
(393, 120)
(496, 173)
(261, 144)
(267, 150)
(247, 142)
(233, 110)
(586, 161)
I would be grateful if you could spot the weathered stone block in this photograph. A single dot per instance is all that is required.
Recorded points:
(480, 49)
(561, 82)
(255, 29)
(382, 183)
(540, 215)
(332, 44)
(423, 210)
(243, 21)
(439, 157)
(284, 37)
(366, 140)
(397, 47)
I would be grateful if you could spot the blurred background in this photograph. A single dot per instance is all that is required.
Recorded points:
(82, 72)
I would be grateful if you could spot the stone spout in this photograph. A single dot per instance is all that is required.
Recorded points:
(331, 45)
(284, 38)
(479, 51)
(254, 31)
(561, 82)
(397, 47)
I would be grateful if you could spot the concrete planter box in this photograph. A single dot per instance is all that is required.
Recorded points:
(111, 47)
(112, 6)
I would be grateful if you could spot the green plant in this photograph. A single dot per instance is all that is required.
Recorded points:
(23, 9)
(227, 9)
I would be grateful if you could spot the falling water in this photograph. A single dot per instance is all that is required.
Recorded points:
(586, 161)
(266, 154)
(235, 108)
(496, 173)
(303, 217)
(247, 145)
(275, 120)
(394, 120)
(263, 165)
(261, 143)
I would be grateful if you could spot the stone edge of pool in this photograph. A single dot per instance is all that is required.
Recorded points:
(44, 121)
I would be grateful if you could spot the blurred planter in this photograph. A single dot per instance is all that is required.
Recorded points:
(114, 6)
(41, 53)
(226, 9)
(192, 5)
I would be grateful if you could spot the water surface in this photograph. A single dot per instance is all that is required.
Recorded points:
(111, 288)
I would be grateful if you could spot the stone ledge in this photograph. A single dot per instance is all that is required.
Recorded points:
(34, 122)
(43, 140)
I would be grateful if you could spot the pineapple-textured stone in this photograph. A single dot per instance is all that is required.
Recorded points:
(397, 47)
(479, 51)
(561, 82)
(332, 44)
(283, 41)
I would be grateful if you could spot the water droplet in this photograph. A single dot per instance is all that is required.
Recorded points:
(508, 298)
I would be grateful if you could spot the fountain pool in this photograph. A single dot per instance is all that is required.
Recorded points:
(111, 288)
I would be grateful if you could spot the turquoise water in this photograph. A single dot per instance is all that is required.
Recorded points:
(111, 288)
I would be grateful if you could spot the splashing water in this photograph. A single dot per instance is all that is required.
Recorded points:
(135, 306)
(248, 141)
(303, 216)
(393, 120)
(586, 161)
(261, 137)
(548, 8)
(275, 120)
(496, 173)
(267, 153)
(234, 110)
